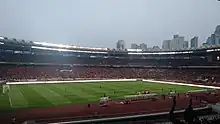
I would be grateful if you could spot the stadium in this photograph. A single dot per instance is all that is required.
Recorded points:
(53, 83)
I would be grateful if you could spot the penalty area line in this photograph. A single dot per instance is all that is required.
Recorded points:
(9, 97)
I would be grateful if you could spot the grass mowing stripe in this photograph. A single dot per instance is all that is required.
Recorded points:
(70, 93)
(4, 102)
(92, 88)
(110, 90)
(95, 92)
(53, 97)
(122, 84)
(79, 91)
(108, 86)
(156, 87)
(64, 100)
(33, 98)
(38, 95)
(167, 87)
(16, 97)
(129, 88)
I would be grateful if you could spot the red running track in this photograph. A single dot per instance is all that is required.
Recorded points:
(75, 111)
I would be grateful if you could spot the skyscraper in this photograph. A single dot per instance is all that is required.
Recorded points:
(120, 45)
(175, 36)
(217, 35)
(209, 41)
(217, 29)
(213, 39)
(143, 46)
(166, 45)
(134, 46)
(194, 42)
(186, 45)
(217, 39)
(177, 42)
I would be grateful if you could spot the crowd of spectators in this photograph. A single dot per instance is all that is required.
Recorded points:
(72, 73)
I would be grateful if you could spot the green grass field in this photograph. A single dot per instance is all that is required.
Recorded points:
(46, 95)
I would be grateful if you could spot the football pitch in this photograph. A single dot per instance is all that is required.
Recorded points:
(48, 95)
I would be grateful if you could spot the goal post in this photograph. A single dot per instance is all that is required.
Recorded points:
(5, 88)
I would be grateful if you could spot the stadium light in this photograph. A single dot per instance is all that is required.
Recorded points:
(211, 50)
(161, 53)
(1, 43)
(134, 50)
(65, 50)
(68, 46)
(51, 44)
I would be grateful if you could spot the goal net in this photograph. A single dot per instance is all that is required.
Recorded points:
(5, 88)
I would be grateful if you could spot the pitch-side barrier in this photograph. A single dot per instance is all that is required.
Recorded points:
(113, 80)
(130, 118)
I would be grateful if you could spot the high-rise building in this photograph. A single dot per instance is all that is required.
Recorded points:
(194, 42)
(134, 46)
(166, 45)
(217, 29)
(143, 46)
(175, 36)
(120, 45)
(186, 45)
(209, 41)
(213, 39)
(217, 39)
(177, 42)
(217, 35)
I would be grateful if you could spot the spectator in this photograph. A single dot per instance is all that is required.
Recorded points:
(189, 114)
(172, 116)
(13, 120)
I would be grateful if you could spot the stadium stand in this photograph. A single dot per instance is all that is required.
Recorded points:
(35, 61)
(207, 76)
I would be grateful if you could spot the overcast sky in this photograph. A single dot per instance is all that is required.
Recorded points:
(100, 23)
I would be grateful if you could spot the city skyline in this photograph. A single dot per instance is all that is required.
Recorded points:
(102, 23)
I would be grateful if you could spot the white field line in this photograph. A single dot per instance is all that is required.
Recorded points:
(183, 84)
(26, 102)
(73, 81)
(10, 101)
(112, 80)
(9, 97)
(44, 96)
(20, 95)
